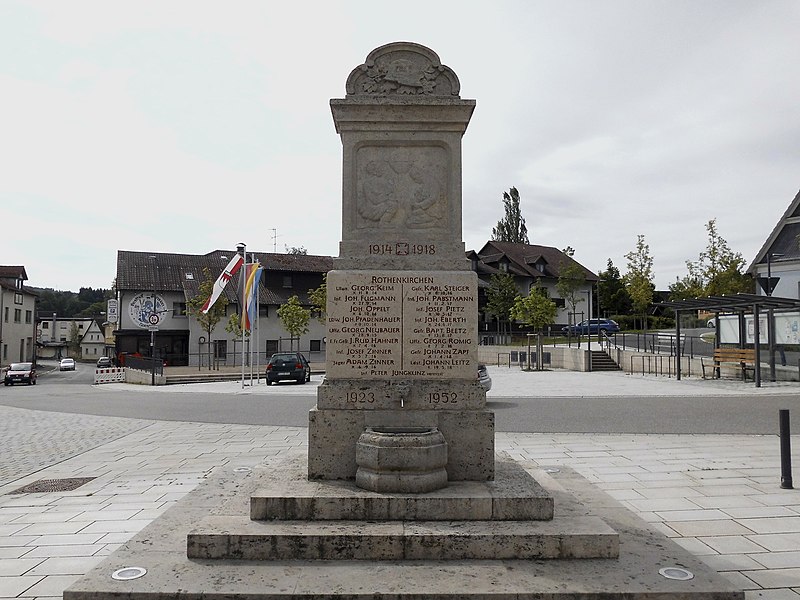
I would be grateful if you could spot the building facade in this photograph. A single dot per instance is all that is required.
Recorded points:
(17, 310)
(55, 335)
(779, 257)
(162, 284)
(533, 268)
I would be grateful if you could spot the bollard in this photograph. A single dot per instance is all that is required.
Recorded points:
(786, 450)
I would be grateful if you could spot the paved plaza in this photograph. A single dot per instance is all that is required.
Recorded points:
(716, 495)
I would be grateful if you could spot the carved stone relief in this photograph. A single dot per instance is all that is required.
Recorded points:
(402, 187)
(403, 69)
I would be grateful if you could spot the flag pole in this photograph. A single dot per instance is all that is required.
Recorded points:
(243, 248)
(258, 319)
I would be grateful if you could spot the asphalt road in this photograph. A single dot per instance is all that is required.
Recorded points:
(73, 392)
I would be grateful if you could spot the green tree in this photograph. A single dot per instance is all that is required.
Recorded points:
(511, 228)
(639, 278)
(689, 286)
(319, 299)
(612, 297)
(74, 339)
(500, 297)
(717, 271)
(571, 280)
(535, 310)
(294, 318)
(234, 326)
(209, 320)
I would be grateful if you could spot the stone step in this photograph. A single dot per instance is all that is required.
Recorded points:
(513, 496)
(238, 538)
(603, 362)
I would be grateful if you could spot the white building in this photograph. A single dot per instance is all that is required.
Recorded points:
(779, 257)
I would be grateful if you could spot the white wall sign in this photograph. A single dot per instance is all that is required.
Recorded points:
(112, 311)
(142, 312)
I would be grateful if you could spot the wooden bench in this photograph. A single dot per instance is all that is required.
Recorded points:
(744, 357)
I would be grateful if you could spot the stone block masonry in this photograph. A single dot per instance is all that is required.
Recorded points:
(402, 303)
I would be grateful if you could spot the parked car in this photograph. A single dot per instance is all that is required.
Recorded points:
(288, 365)
(592, 326)
(104, 362)
(20, 373)
(484, 377)
(66, 364)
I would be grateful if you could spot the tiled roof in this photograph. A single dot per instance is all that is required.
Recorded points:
(521, 259)
(168, 272)
(12, 272)
(184, 272)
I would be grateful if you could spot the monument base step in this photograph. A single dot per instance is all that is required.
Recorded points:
(513, 496)
(242, 539)
(160, 549)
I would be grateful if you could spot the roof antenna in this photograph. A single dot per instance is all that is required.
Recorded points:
(274, 240)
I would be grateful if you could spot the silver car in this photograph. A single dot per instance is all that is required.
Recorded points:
(484, 377)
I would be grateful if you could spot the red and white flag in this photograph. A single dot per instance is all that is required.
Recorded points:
(222, 281)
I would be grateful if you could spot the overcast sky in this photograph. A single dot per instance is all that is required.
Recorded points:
(172, 126)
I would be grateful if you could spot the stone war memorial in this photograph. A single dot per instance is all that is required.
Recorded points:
(400, 493)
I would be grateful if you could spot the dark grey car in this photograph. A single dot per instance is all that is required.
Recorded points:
(288, 366)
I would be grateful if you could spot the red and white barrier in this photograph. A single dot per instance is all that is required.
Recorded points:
(110, 375)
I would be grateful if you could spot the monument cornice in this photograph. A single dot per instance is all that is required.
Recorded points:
(450, 115)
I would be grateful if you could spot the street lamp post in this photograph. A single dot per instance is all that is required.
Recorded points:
(770, 318)
(153, 317)
(589, 328)
(769, 270)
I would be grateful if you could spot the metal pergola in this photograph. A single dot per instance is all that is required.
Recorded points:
(742, 304)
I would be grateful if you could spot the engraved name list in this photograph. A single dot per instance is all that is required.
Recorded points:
(415, 325)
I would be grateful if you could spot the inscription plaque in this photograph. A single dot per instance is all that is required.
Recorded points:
(402, 324)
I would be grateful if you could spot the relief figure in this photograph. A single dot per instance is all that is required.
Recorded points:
(403, 190)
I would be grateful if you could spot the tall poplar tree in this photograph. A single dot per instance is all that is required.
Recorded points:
(511, 228)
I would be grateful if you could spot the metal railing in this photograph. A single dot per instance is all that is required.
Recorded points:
(145, 363)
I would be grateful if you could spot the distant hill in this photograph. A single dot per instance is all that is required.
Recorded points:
(86, 303)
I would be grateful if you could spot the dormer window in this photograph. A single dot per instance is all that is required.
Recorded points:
(503, 266)
(19, 283)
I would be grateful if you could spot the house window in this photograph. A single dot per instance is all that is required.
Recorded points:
(315, 345)
(6, 315)
(263, 310)
(17, 298)
(5, 351)
(272, 347)
(17, 315)
(80, 325)
(287, 281)
(221, 348)
(45, 325)
(179, 309)
(63, 338)
(503, 267)
(28, 316)
(559, 302)
(19, 283)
